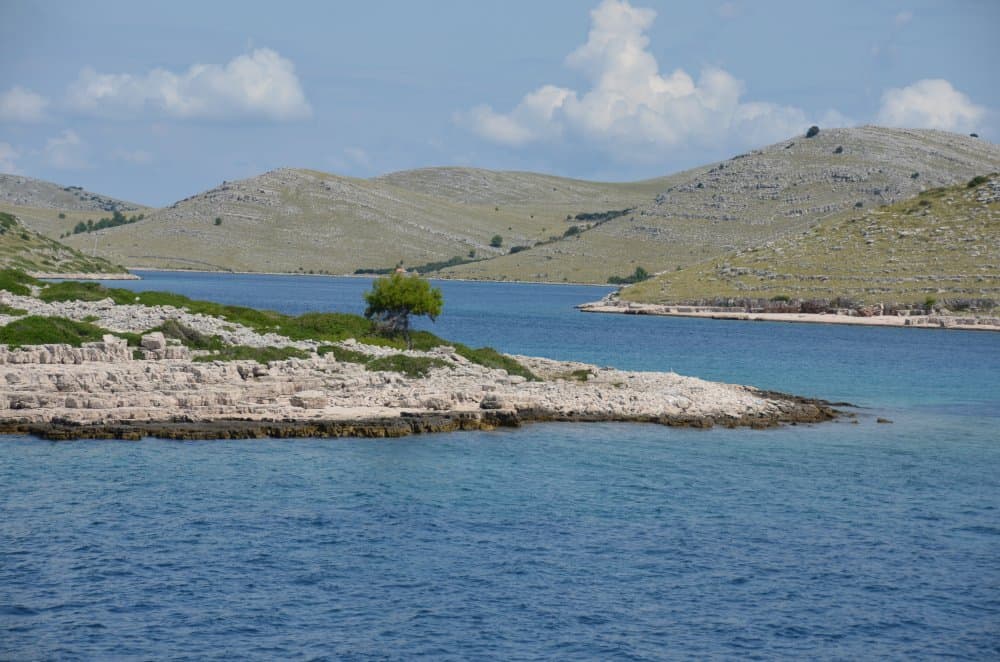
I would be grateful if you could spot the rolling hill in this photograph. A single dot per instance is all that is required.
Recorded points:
(293, 220)
(21, 248)
(941, 246)
(551, 228)
(751, 199)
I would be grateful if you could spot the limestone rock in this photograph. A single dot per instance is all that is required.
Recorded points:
(309, 400)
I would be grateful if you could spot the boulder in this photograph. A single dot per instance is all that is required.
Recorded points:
(154, 341)
(309, 400)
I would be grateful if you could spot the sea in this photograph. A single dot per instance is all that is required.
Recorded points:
(855, 539)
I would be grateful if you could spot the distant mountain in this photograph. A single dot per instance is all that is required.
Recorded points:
(941, 245)
(751, 199)
(25, 249)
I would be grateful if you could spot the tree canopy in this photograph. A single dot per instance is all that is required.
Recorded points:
(394, 298)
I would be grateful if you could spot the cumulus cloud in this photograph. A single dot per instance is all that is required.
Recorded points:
(260, 84)
(67, 151)
(21, 105)
(8, 156)
(930, 104)
(632, 110)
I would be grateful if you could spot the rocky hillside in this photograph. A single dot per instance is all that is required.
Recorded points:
(30, 192)
(510, 225)
(53, 209)
(21, 248)
(939, 247)
(300, 220)
(754, 198)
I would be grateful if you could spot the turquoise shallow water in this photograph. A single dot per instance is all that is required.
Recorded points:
(834, 541)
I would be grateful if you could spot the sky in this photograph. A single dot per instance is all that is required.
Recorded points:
(154, 102)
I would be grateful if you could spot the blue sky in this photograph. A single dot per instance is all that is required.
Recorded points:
(155, 102)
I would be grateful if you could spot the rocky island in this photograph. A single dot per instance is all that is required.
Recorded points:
(131, 365)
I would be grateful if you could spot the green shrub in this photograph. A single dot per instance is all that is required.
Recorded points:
(411, 366)
(637, 276)
(781, 297)
(491, 358)
(189, 337)
(38, 330)
(496, 241)
(10, 310)
(978, 180)
(343, 354)
(258, 354)
(16, 281)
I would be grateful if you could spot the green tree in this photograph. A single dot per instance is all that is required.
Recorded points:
(394, 298)
(496, 241)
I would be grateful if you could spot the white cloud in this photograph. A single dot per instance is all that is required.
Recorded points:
(21, 105)
(137, 156)
(66, 151)
(632, 110)
(930, 104)
(261, 84)
(902, 18)
(8, 156)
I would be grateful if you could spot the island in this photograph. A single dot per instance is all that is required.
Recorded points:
(79, 360)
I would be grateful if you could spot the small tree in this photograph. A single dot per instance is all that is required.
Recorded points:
(496, 241)
(394, 298)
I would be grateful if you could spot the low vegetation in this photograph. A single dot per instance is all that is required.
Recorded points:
(940, 245)
(321, 327)
(259, 354)
(24, 249)
(113, 221)
(38, 330)
(637, 276)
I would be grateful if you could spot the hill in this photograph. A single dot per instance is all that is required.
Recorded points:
(751, 199)
(293, 220)
(53, 209)
(549, 228)
(939, 247)
(21, 248)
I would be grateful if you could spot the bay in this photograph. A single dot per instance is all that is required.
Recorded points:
(553, 541)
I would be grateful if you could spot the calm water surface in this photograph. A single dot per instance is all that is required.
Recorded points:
(837, 541)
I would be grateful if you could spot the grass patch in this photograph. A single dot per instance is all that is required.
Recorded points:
(38, 330)
(343, 354)
(411, 366)
(11, 310)
(16, 281)
(322, 327)
(491, 358)
(259, 354)
(188, 336)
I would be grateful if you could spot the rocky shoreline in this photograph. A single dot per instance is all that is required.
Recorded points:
(932, 321)
(103, 390)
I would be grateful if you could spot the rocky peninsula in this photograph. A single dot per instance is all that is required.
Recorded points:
(162, 387)
(866, 316)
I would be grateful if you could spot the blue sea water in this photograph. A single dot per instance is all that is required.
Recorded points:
(834, 541)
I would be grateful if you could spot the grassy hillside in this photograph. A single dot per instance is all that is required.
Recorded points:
(299, 220)
(551, 228)
(942, 245)
(751, 199)
(21, 248)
